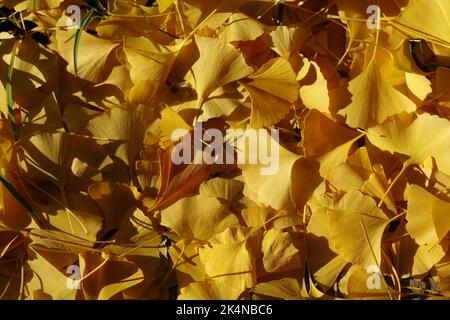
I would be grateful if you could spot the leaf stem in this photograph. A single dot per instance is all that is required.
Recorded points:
(405, 166)
(9, 92)
(84, 22)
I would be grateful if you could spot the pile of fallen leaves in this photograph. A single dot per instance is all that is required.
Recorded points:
(93, 207)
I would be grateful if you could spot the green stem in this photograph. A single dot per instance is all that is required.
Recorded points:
(84, 22)
(19, 197)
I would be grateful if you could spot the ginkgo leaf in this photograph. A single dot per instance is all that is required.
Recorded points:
(324, 262)
(353, 173)
(103, 278)
(214, 289)
(189, 268)
(349, 10)
(33, 67)
(55, 286)
(428, 220)
(190, 218)
(35, 5)
(122, 128)
(228, 257)
(419, 85)
(364, 283)
(80, 217)
(417, 260)
(225, 64)
(286, 40)
(356, 227)
(257, 216)
(114, 199)
(313, 87)
(267, 109)
(221, 188)
(137, 240)
(61, 158)
(376, 186)
(374, 99)
(222, 102)
(273, 88)
(46, 117)
(163, 5)
(286, 289)
(150, 63)
(170, 122)
(262, 185)
(424, 137)
(241, 27)
(330, 145)
(279, 251)
(434, 25)
(174, 186)
(92, 66)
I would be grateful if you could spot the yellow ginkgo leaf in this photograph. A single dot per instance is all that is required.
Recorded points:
(34, 67)
(279, 252)
(221, 102)
(349, 10)
(224, 63)
(432, 25)
(228, 256)
(267, 109)
(364, 283)
(426, 136)
(417, 260)
(80, 217)
(428, 218)
(330, 144)
(150, 64)
(376, 186)
(137, 240)
(34, 5)
(197, 218)
(123, 128)
(273, 88)
(374, 99)
(93, 53)
(313, 87)
(286, 39)
(324, 262)
(210, 289)
(261, 186)
(55, 286)
(352, 174)
(61, 158)
(170, 122)
(114, 199)
(163, 5)
(221, 188)
(356, 227)
(241, 27)
(189, 268)
(418, 84)
(104, 277)
(286, 289)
